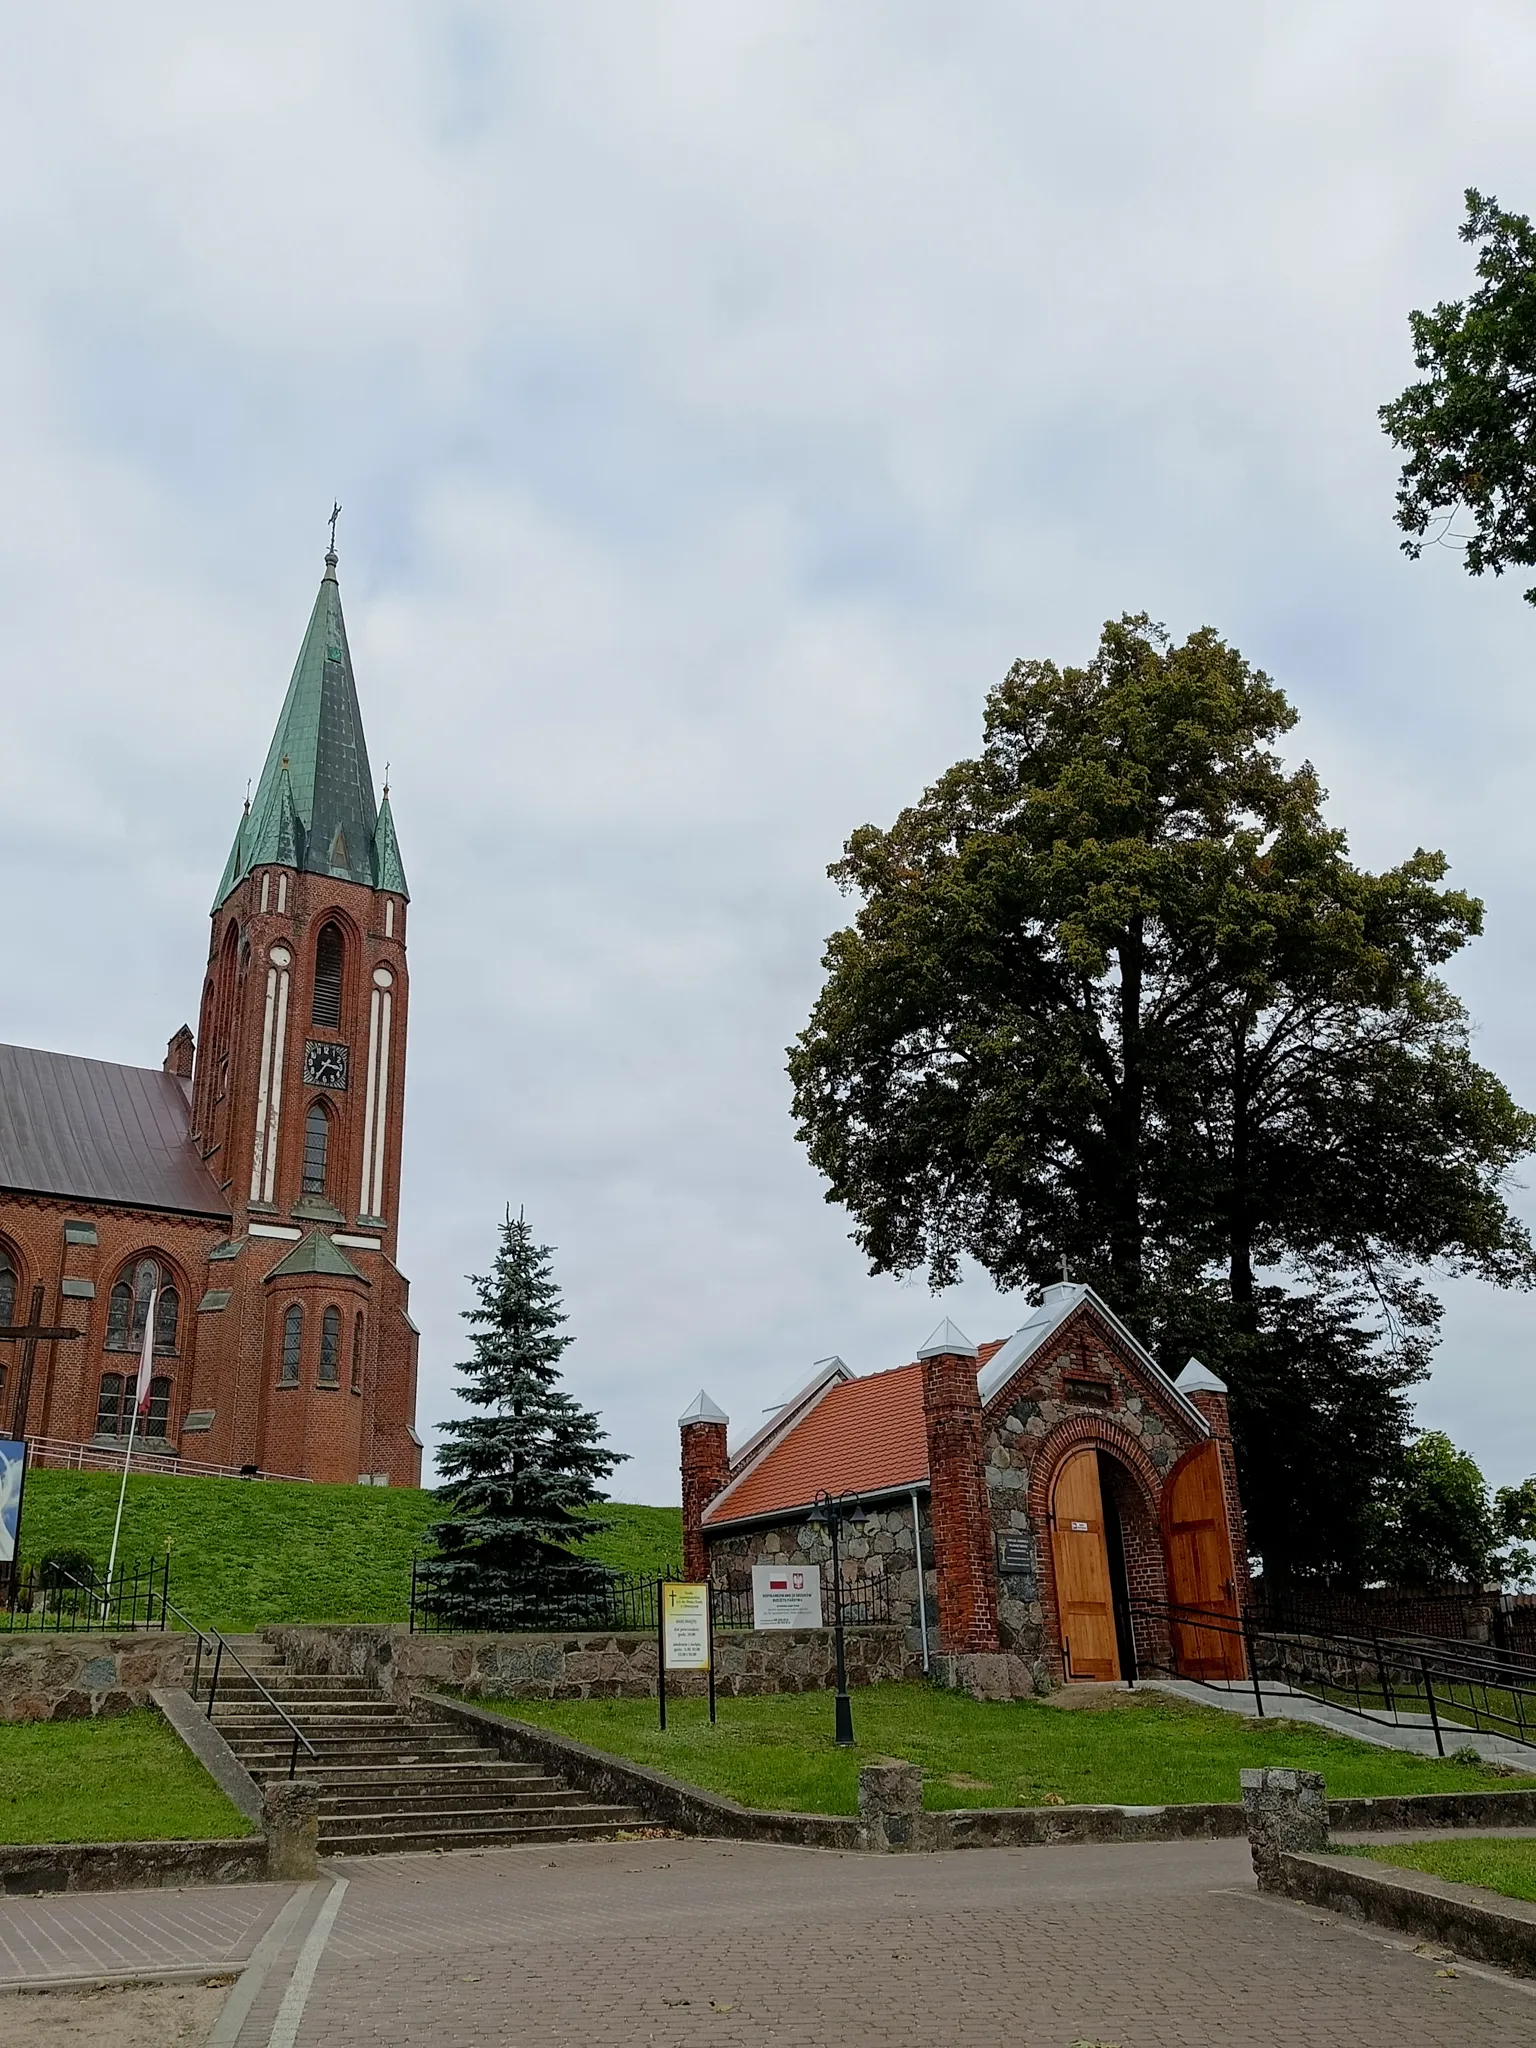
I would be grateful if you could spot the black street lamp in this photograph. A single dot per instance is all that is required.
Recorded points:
(829, 1512)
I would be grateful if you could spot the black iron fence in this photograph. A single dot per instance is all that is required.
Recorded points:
(536, 1603)
(867, 1602)
(1460, 1614)
(1451, 1689)
(45, 1596)
(510, 1603)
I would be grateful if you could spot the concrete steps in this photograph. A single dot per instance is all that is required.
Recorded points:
(389, 1783)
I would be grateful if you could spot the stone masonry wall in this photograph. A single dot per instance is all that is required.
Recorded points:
(47, 1677)
(595, 1666)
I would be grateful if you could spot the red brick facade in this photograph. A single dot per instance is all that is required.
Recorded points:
(962, 1523)
(344, 1417)
(292, 1349)
(706, 1469)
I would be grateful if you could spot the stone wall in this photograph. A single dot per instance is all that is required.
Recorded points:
(878, 1547)
(592, 1666)
(47, 1677)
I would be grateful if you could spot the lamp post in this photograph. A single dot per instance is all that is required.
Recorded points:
(829, 1512)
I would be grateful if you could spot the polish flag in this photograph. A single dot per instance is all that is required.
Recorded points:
(147, 1355)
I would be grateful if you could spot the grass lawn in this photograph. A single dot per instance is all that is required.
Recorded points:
(1507, 1867)
(245, 1553)
(125, 1779)
(1143, 1749)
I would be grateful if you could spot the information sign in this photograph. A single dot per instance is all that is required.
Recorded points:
(786, 1596)
(685, 1626)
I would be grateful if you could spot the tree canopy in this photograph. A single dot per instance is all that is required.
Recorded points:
(523, 1475)
(1115, 992)
(1468, 428)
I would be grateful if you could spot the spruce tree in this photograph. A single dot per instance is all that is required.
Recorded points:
(522, 1475)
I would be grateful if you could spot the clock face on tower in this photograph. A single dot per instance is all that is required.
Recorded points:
(325, 1066)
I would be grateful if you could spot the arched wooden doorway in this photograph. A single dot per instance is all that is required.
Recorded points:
(1201, 1579)
(1084, 1593)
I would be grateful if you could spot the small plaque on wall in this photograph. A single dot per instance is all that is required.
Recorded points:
(1017, 1554)
(199, 1419)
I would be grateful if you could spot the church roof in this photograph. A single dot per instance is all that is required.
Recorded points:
(93, 1132)
(314, 806)
(861, 1436)
(315, 1254)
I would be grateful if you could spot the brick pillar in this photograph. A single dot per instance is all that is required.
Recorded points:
(1200, 1386)
(706, 1469)
(963, 1550)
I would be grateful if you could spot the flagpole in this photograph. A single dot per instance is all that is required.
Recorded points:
(140, 1398)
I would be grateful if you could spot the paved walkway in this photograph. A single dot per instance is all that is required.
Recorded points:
(1413, 1732)
(659, 1944)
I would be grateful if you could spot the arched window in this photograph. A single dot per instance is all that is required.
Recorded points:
(326, 1009)
(317, 1142)
(293, 1341)
(357, 1354)
(109, 1404)
(7, 1287)
(330, 1348)
(128, 1305)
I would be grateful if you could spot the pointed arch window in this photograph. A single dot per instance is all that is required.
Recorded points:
(7, 1286)
(128, 1305)
(293, 1344)
(317, 1145)
(330, 1349)
(329, 952)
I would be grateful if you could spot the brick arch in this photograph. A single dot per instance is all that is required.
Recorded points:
(1146, 1573)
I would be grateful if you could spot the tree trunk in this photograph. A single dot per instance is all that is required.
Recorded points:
(1239, 1207)
(1125, 1251)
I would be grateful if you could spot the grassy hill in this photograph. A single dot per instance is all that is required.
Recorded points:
(245, 1553)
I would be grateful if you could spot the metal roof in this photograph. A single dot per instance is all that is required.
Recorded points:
(314, 807)
(1057, 1304)
(93, 1132)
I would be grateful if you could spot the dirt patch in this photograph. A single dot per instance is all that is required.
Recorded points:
(1097, 1699)
(964, 1782)
(132, 2016)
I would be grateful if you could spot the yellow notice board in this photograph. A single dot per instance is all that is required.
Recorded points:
(685, 1626)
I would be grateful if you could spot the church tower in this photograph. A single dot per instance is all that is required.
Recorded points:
(297, 1096)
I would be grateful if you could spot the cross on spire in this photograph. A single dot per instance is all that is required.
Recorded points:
(31, 1333)
(335, 515)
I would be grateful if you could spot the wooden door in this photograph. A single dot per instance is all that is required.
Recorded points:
(1200, 1575)
(1084, 1598)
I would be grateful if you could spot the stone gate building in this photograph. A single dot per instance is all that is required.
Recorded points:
(252, 1183)
(1054, 1496)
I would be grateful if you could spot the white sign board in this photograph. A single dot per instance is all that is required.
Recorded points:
(786, 1596)
(685, 1626)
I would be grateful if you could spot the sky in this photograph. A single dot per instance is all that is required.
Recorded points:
(720, 398)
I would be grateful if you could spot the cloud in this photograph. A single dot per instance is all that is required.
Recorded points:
(720, 398)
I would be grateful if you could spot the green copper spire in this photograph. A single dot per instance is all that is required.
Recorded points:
(314, 807)
(387, 865)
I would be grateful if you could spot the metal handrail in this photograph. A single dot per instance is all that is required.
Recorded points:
(219, 1644)
(1417, 1673)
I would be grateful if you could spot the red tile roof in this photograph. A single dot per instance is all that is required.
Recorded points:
(864, 1436)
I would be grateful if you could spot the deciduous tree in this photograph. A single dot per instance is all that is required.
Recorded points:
(1115, 991)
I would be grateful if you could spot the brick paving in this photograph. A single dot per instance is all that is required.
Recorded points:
(669, 1944)
(102, 1934)
(660, 1944)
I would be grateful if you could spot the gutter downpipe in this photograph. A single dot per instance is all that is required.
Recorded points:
(922, 1578)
